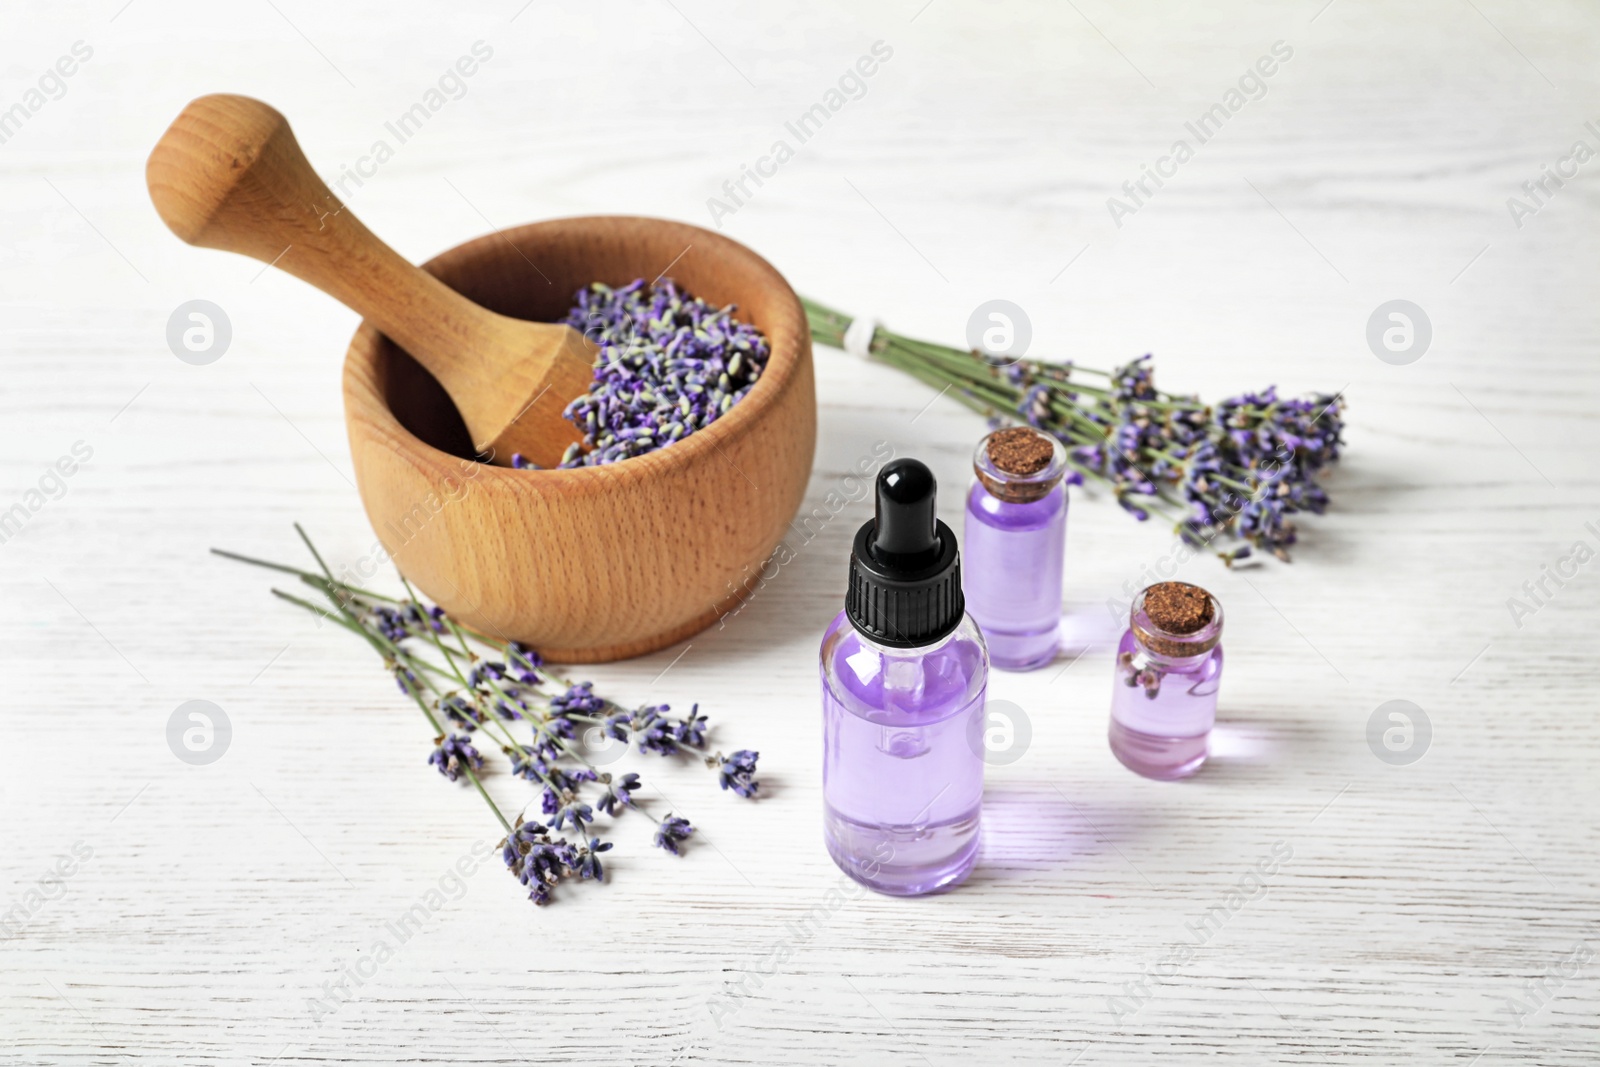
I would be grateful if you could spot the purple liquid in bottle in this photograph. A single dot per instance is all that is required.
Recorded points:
(1164, 699)
(904, 673)
(901, 778)
(1015, 545)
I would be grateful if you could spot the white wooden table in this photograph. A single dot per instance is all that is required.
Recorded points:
(1417, 903)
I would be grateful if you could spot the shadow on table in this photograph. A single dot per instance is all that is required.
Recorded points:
(1256, 748)
(1030, 830)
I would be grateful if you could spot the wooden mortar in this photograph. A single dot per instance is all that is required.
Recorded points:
(597, 563)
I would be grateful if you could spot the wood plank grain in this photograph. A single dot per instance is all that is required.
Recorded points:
(1428, 913)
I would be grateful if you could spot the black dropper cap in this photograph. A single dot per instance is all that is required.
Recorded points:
(905, 568)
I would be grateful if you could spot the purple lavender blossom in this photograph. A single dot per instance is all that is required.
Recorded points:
(672, 832)
(580, 699)
(618, 725)
(737, 772)
(618, 795)
(1242, 469)
(589, 860)
(524, 663)
(538, 862)
(549, 736)
(460, 711)
(691, 731)
(388, 622)
(407, 681)
(655, 731)
(530, 766)
(574, 811)
(453, 754)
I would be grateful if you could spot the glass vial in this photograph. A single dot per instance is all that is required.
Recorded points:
(1016, 537)
(1169, 665)
(904, 674)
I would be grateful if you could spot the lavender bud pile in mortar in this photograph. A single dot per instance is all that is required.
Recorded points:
(670, 364)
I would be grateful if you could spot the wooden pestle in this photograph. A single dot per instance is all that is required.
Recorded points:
(229, 174)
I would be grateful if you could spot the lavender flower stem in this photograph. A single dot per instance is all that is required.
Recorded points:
(465, 766)
(253, 561)
(973, 375)
(1244, 467)
(633, 731)
(488, 713)
(440, 731)
(487, 799)
(384, 647)
(489, 698)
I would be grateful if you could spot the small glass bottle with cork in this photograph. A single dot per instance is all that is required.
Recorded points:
(1168, 669)
(1015, 537)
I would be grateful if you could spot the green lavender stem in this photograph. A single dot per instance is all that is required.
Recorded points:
(390, 654)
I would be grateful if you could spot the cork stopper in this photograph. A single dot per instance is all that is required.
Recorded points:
(1019, 464)
(1020, 450)
(1178, 607)
(1176, 620)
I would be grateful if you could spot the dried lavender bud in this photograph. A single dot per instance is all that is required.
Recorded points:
(451, 754)
(460, 712)
(691, 731)
(737, 772)
(654, 731)
(672, 832)
(617, 726)
(669, 364)
(530, 766)
(619, 794)
(538, 862)
(577, 813)
(580, 699)
(589, 860)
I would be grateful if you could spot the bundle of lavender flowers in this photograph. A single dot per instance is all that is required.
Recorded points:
(473, 690)
(1239, 469)
(669, 364)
